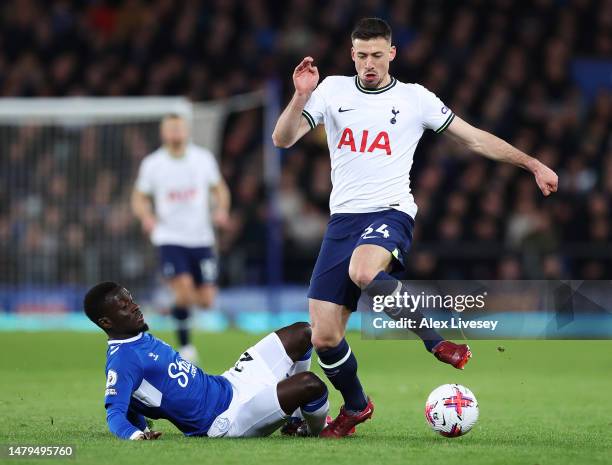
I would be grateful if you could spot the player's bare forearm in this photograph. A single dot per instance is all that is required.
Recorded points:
(291, 125)
(141, 205)
(491, 146)
(498, 149)
(222, 199)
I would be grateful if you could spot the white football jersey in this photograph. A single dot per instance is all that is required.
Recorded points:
(180, 189)
(372, 136)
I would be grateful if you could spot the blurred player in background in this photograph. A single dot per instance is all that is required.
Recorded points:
(373, 124)
(172, 200)
(145, 377)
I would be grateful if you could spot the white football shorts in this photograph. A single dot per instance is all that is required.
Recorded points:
(254, 410)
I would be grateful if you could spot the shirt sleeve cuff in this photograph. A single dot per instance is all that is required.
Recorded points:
(309, 118)
(448, 121)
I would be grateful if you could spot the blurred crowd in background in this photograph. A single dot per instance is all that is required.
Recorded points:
(511, 68)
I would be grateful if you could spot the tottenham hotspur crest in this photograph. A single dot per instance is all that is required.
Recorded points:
(395, 113)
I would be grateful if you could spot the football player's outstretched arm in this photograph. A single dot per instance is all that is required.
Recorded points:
(124, 373)
(493, 147)
(143, 209)
(222, 199)
(291, 125)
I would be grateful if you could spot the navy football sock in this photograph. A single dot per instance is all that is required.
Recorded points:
(181, 314)
(384, 285)
(340, 366)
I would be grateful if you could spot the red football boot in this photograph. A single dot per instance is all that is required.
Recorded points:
(456, 355)
(344, 424)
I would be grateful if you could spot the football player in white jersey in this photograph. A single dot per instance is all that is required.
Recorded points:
(373, 124)
(172, 200)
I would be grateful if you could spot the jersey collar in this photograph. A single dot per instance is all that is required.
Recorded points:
(375, 91)
(124, 341)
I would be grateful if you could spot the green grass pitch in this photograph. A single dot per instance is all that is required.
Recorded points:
(541, 402)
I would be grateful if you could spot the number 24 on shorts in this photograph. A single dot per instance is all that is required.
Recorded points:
(382, 230)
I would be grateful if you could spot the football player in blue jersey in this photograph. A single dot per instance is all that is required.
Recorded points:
(146, 378)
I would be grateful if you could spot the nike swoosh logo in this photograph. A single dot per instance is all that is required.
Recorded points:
(340, 110)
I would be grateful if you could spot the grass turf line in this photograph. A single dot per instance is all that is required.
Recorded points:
(541, 402)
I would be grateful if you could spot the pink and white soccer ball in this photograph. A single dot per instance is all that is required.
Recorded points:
(451, 410)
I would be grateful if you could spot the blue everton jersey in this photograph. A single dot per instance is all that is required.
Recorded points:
(145, 377)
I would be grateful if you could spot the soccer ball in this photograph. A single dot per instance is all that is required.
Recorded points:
(451, 410)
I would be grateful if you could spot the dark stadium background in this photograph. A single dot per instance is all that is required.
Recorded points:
(537, 73)
(534, 73)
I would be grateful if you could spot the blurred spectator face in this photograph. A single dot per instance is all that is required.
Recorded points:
(552, 267)
(492, 204)
(485, 229)
(450, 229)
(600, 230)
(372, 58)
(457, 204)
(75, 237)
(509, 268)
(174, 133)
(58, 187)
(598, 206)
(424, 264)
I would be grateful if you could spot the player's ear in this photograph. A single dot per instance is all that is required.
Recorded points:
(392, 53)
(353, 53)
(105, 322)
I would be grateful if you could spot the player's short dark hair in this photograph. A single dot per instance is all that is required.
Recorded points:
(96, 299)
(371, 28)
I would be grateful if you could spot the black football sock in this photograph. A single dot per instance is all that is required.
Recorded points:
(386, 285)
(340, 366)
(181, 315)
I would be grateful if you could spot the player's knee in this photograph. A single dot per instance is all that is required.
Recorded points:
(328, 340)
(303, 334)
(183, 297)
(206, 301)
(313, 386)
(295, 339)
(182, 300)
(362, 275)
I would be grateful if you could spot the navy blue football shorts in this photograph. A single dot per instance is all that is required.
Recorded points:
(199, 262)
(330, 281)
